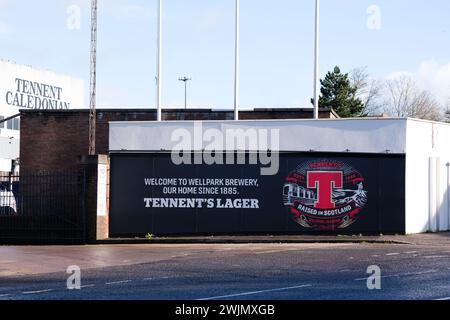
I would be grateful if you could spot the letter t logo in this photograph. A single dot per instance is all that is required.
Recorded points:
(325, 182)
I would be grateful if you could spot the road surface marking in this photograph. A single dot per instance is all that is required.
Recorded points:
(275, 251)
(410, 252)
(88, 286)
(36, 292)
(270, 251)
(118, 282)
(393, 254)
(435, 257)
(443, 299)
(376, 256)
(156, 279)
(4, 295)
(402, 275)
(255, 292)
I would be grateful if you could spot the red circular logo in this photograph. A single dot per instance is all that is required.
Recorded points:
(325, 195)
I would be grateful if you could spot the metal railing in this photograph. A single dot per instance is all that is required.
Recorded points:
(42, 207)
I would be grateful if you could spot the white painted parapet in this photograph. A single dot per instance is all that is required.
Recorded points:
(334, 135)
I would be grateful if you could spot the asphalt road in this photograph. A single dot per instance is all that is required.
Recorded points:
(241, 272)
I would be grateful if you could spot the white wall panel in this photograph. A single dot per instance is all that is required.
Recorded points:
(362, 136)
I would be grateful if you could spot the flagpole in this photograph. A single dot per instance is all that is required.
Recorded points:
(159, 63)
(316, 61)
(236, 65)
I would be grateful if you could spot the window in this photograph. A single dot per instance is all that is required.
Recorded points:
(2, 124)
(12, 124)
(16, 124)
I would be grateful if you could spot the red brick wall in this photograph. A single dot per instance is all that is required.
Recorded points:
(54, 140)
(51, 141)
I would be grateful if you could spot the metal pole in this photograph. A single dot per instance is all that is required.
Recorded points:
(9, 118)
(159, 62)
(448, 195)
(185, 95)
(93, 80)
(316, 62)
(236, 65)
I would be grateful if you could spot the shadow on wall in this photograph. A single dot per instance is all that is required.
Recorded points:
(444, 209)
(439, 196)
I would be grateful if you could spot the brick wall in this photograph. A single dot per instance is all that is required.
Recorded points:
(55, 140)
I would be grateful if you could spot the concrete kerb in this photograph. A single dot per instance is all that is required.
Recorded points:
(254, 240)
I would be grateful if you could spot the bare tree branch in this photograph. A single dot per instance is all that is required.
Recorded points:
(447, 111)
(368, 90)
(404, 99)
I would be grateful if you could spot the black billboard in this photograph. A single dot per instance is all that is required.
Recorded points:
(311, 193)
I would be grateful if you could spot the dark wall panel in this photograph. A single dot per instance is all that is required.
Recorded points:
(312, 193)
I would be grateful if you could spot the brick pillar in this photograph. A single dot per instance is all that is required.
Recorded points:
(96, 197)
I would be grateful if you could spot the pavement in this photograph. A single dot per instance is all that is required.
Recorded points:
(418, 268)
(258, 239)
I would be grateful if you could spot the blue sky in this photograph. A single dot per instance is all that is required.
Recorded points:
(277, 46)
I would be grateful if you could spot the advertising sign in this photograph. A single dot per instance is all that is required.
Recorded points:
(325, 194)
(311, 193)
(24, 87)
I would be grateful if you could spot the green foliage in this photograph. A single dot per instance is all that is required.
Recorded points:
(337, 92)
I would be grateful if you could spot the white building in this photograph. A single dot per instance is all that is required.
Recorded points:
(24, 87)
(423, 146)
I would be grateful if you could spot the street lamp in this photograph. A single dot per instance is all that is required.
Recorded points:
(185, 80)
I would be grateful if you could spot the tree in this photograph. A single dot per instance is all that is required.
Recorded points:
(447, 115)
(339, 94)
(405, 99)
(367, 90)
(447, 112)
